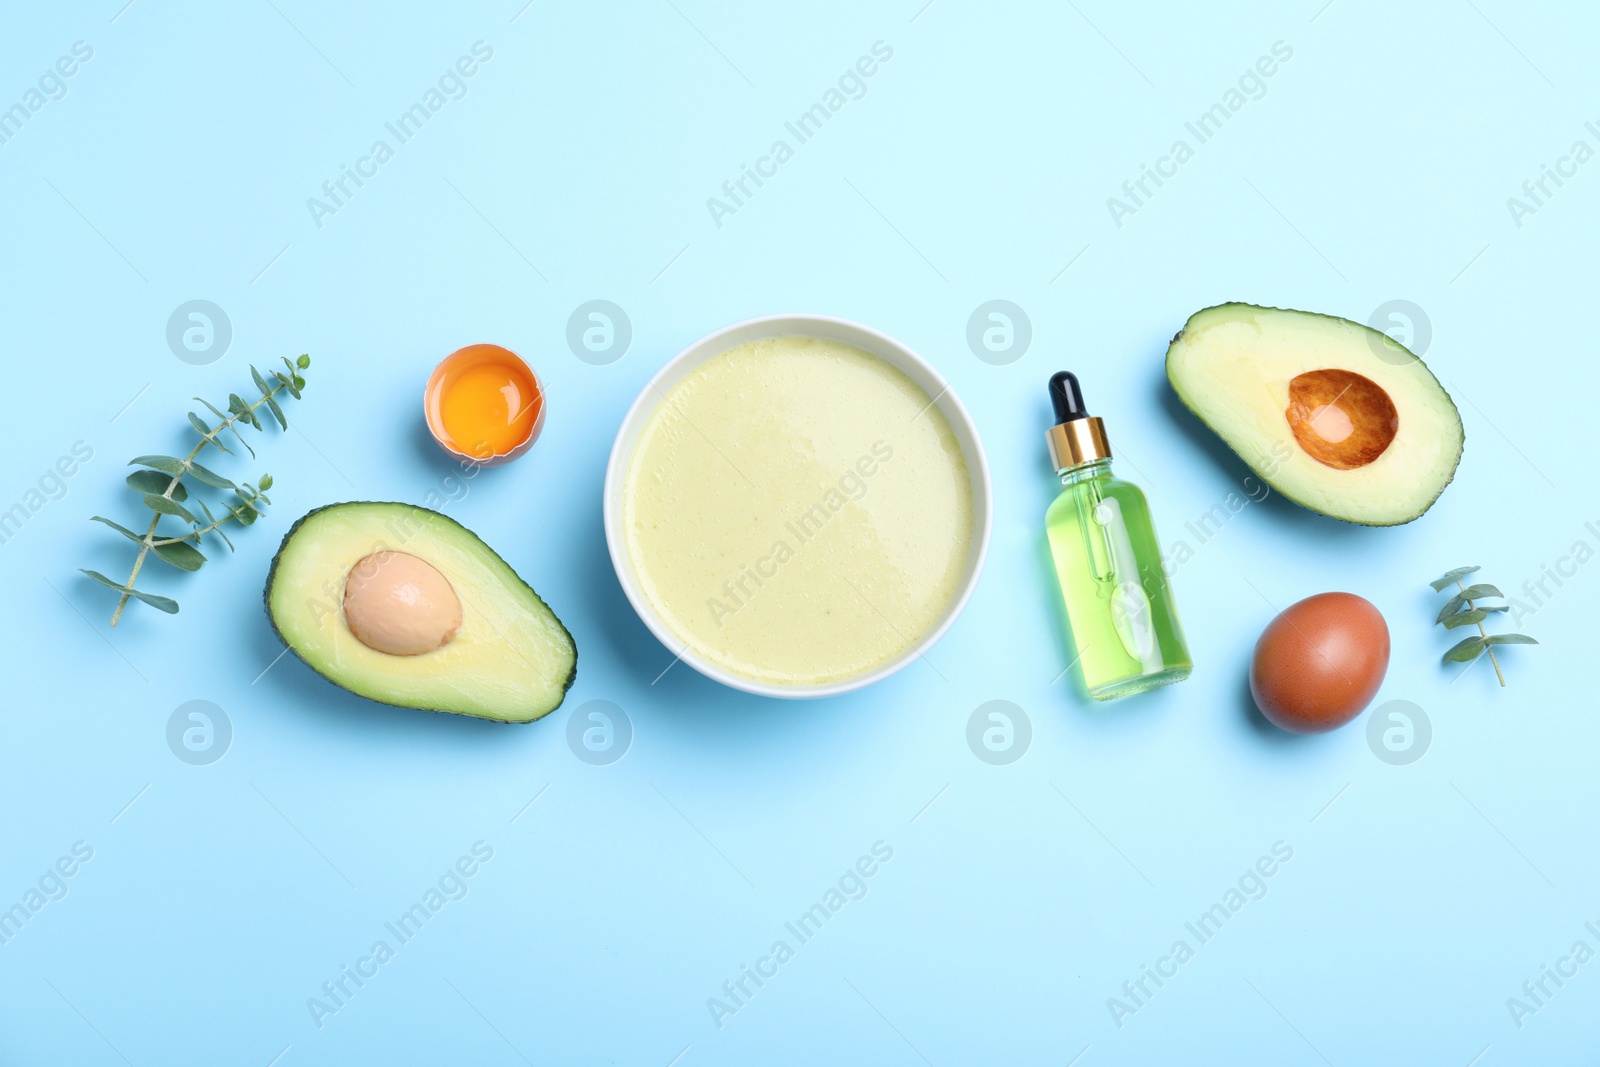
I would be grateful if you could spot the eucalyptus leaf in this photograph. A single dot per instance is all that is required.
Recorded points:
(1450, 577)
(288, 379)
(261, 383)
(277, 413)
(212, 521)
(121, 529)
(1451, 608)
(235, 428)
(160, 603)
(1465, 618)
(203, 430)
(236, 404)
(244, 513)
(180, 554)
(1466, 651)
(1478, 592)
(156, 482)
(1511, 639)
(171, 464)
(1493, 607)
(167, 507)
(211, 478)
(103, 580)
(303, 362)
(212, 407)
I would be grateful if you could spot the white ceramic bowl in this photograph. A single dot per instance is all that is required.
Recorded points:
(868, 340)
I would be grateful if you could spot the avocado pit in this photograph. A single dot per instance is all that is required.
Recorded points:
(400, 604)
(1341, 419)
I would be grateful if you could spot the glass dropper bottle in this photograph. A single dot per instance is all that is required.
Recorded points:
(1122, 621)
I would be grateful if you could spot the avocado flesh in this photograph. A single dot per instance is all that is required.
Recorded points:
(511, 660)
(1258, 377)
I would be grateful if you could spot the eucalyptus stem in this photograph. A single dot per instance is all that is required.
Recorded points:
(191, 535)
(162, 484)
(155, 520)
(1485, 634)
(1468, 607)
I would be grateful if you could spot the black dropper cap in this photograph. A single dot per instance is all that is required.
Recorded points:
(1077, 437)
(1066, 397)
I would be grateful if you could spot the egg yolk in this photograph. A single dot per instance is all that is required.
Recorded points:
(488, 409)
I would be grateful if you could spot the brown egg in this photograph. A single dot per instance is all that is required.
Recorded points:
(1320, 662)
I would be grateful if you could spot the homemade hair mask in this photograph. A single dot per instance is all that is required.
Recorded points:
(798, 511)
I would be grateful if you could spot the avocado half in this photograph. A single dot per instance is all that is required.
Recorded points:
(511, 660)
(1336, 416)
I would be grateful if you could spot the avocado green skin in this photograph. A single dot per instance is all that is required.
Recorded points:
(272, 574)
(1289, 496)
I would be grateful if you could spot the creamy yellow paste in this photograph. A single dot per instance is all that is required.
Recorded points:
(798, 511)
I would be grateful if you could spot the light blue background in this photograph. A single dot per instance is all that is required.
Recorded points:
(1376, 167)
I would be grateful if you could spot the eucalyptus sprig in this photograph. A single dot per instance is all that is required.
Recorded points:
(1464, 610)
(161, 488)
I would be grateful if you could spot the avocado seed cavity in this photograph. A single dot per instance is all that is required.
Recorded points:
(400, 604)
(1341, 419)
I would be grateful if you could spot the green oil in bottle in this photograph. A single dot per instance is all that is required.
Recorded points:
(1119, 609)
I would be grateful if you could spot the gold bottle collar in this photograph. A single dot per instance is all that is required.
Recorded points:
(1077, 441)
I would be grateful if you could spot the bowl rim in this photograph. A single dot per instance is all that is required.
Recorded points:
(714, 344)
